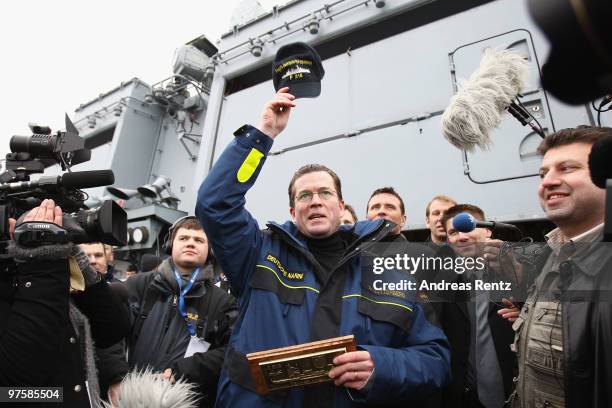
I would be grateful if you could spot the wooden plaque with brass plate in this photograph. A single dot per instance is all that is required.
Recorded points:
(298, 365)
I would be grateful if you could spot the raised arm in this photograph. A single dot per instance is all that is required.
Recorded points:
(233, 233)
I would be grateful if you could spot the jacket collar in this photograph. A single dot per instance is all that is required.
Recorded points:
(556, 239)
(362, 229)
(166, 273)
(110, 272)
(593, 256)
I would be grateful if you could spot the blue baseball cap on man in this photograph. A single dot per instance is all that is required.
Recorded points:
(298, 66)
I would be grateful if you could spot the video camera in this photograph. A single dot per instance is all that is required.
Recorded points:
(579, 70)
(579, 66)
(31, 154)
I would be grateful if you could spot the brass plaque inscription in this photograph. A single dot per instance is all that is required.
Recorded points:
(296, 366)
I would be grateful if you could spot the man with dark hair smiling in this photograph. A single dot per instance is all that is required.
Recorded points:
(303, 281)
(464, 243)
(564, 329)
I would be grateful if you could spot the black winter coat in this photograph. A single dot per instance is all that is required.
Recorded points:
(38, 344)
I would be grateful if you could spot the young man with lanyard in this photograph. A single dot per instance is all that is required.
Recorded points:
(178, 311)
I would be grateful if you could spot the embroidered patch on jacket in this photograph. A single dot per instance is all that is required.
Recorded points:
(297, 276)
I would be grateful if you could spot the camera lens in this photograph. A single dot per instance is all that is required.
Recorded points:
(37, 145)
(107, 224)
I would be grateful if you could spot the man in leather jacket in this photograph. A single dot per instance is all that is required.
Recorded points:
(564, 330)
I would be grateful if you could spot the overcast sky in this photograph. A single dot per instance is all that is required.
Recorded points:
(58, 54)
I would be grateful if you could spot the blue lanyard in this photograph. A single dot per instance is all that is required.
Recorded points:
(181, 298)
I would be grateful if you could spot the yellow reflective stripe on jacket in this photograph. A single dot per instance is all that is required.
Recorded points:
(283, 283)
(249, 165)
(376, 301)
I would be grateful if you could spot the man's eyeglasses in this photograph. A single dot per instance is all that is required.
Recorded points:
(306, 196)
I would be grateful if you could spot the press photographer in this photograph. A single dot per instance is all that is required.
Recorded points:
(53, 306)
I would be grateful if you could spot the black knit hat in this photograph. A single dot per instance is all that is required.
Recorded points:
(298, 66)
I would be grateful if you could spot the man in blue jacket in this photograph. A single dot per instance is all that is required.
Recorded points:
(302, 281)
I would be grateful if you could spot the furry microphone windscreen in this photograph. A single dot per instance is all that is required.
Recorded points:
(141, 389)
(478, 106)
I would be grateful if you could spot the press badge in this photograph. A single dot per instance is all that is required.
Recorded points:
(196, 345)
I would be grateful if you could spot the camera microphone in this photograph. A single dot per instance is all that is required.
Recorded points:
(481, 101)
(465, 222)
(76, 179)
(88, 179)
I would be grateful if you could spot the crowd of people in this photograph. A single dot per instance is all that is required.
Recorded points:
(66, 321)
